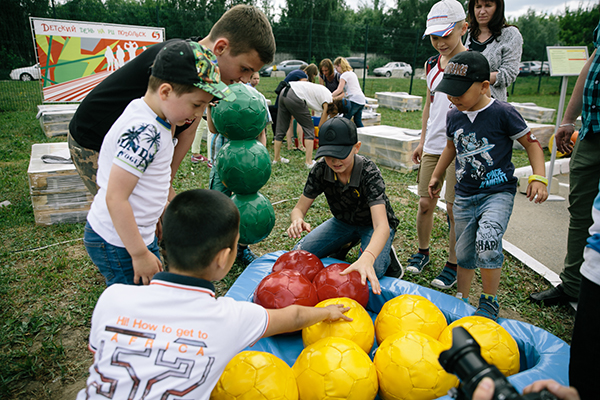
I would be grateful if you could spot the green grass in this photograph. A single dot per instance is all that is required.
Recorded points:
(47, 295)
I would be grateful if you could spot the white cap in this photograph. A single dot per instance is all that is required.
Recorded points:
(443, 17)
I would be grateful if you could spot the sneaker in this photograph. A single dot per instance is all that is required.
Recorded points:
(417, 262)
(283, 160)
(246, 256)
(445, 280)
(465, 300)
(488, 308)
(197, 158)
(312, 164)
(395, 269)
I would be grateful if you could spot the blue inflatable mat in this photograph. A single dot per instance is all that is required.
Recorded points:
(543, 355)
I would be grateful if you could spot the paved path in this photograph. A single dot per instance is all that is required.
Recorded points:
(537, 233)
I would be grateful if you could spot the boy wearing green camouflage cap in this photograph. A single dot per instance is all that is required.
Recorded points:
(134, 162)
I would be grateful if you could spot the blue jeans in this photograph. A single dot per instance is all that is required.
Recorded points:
(355, 111)
(113, 262)
(480, 222)
(332, 234)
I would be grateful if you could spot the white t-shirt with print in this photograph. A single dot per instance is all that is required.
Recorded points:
(171, 339)
(141, 143)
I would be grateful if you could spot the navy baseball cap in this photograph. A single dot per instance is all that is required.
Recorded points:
(462, 71)
(337, 136)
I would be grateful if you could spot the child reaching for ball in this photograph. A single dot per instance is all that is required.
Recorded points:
(355, 192)
(174, 337)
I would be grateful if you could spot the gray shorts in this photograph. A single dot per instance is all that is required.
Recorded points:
(290, 106)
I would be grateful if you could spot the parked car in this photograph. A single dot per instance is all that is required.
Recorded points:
(536, 67)
(357, 62)
(397, 68)
(286, 66)
(26, 73)
(524, 69)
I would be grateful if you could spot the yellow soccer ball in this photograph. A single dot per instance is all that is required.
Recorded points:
(409, 312)
(335, 368)
(256, 375)
(408, 368)
(498, 347)
(360, 330)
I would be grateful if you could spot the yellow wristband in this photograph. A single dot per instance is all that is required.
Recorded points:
(538, 178)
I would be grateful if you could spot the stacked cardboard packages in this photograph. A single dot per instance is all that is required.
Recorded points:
(57, 192)
(400, 101)
(55, 118)
(390, 146)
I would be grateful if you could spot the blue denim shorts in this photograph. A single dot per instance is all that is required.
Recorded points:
(113, 262)
(332, 234)
(480, 222)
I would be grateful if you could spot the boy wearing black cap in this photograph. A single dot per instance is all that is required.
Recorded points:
(355, 192)
(480, 133)
(134, 162)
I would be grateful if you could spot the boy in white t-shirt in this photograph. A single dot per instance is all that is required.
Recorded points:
(173, 338)
(445, 27)
(134, 162)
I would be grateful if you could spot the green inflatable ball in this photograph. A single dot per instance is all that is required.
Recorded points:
(243, 118)
(257, 217)
(244, 166)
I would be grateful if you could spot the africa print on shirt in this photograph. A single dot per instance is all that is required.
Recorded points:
(138, 146)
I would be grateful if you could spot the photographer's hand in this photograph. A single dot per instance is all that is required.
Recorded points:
(560, 391)
(485, 389)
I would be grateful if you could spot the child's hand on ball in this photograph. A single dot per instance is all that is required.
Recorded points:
(337, 311)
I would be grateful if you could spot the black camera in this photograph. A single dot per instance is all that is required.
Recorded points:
(464, 360)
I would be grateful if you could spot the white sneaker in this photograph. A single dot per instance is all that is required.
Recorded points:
(312, 164)
(283, 160)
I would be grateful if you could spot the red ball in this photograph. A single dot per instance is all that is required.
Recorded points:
(330, 284)
(284, 288)
(302, 261)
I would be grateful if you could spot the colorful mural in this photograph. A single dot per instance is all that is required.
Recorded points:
(75, 56)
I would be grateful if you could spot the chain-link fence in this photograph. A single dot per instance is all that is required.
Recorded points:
(309, 40)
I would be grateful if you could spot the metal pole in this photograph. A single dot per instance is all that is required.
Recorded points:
(310, 40)
(412, 76)
(365, 59)
(559, 115)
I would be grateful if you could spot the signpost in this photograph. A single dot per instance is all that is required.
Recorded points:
(564, 61)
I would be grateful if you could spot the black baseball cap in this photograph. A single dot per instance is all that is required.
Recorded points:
(190, 63)
(462, 71)
(337, 136)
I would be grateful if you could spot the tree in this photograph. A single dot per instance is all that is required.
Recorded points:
(538, 31)
(577, 27)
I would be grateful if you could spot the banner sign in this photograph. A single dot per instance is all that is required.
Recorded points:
(75, 56)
